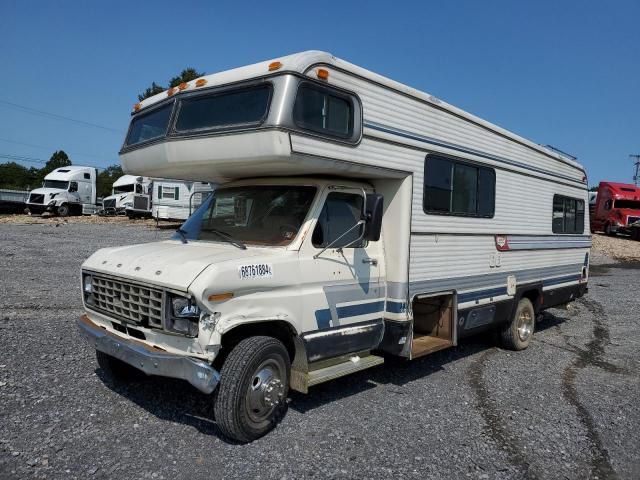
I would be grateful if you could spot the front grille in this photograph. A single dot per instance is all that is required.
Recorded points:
(110, 203)
(141, 305)
(36, 198)
(631, 220)
(141, 202)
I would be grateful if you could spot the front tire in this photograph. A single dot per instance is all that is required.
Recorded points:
(517, 334)
(251, 397)
(63, 210)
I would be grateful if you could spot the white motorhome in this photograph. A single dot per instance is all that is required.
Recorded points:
(355, 216)
(177, 199)
(65, 191)
(123, 191)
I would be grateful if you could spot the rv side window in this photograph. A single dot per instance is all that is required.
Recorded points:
(168, 192)
(87, 176)
(324, 111)
(341, 212)
(568, 215)
(457, 188)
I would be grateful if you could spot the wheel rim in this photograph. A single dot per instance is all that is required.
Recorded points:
(266, 390)
(525, 325)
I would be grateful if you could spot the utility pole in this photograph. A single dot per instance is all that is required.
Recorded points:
(636, 175)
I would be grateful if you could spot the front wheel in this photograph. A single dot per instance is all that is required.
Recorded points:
(63, 210)
(251, 397)
(517, 334)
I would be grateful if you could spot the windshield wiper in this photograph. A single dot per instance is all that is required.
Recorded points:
(183, 235)
(228, 238)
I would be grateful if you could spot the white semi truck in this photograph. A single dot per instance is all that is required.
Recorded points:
(354, 216)
(65, 191)
(123, 192)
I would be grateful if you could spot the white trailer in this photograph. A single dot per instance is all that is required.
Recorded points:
(123, 192)
(356, 216)
(65, 191)
(177, 199)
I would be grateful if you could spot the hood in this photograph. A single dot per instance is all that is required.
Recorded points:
(47, 191)
(119, 197)
(171, 264)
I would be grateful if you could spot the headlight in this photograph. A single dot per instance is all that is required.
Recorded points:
(86, 284)
(183, 307)
(87, 289)
(185, 316)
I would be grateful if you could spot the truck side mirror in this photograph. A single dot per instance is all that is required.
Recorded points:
(373, 216)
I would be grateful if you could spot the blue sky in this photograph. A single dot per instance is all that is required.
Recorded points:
(565, 73)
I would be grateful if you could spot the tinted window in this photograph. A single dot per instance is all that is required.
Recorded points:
(61, 184)
(341, 212)
(568, 215)
(73, 187)
(457, 188)
(224, 109)
(324, 111)
(149, 125)
(633, 204)
(87, 176)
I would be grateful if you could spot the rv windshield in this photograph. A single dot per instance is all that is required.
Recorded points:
(59, 184)
(257, 214)
(123, 188)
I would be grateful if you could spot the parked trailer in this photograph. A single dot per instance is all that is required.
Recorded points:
(177, 199)
(65, 191)
(617, 207)
(356, 216)
(123, 191)
(13, 201)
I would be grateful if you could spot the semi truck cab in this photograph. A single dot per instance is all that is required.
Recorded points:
(65, 191)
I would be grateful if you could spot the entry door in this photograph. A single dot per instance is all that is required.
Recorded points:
(343, 285)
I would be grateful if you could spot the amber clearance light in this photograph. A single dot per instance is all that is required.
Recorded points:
(323, 74)
(171, 91)
(201, 82)
(137, 107)
(220, 297)
(275, 66)
(183, 86)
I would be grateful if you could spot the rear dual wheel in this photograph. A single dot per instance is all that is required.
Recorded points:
(251, 397)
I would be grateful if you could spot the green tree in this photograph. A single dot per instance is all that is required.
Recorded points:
(186, 75)
(57, 160)
(14, 176)
(154, 89)
(106, 178)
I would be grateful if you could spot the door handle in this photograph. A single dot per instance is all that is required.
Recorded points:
(370, 261)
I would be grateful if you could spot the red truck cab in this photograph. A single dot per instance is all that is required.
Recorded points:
(617, 206)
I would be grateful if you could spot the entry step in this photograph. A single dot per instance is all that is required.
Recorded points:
(354, 364)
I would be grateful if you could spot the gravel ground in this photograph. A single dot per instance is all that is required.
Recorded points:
(567, 407)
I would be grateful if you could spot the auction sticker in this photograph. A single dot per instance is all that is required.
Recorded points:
(256, 270)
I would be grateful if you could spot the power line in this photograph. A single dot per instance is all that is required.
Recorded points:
(42, 147)
(21, 158)
(42, 113)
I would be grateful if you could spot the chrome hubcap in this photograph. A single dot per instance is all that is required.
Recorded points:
(266, 390)
(525, 325)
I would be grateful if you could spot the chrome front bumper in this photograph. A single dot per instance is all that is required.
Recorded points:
(151, 361)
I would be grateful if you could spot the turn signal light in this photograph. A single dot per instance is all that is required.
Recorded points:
(323, 74)
(220, 297)
(171, 91)
(183, 86)
(274, 66)
(201, 82)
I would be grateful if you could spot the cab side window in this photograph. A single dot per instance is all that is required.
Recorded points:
(341, 212)
(73, 187)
